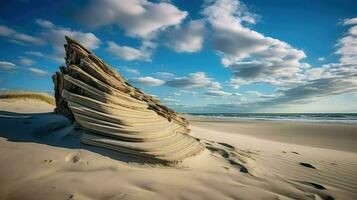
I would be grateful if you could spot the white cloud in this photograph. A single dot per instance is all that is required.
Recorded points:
(45, 23)
(321, 59)
(4, 65)
(251, 56)
(35, 53)
(198, 79)
(26, 61)
(217, 93)
(350, 21)
(164, 75)
(328, 80)
(170, 100)
(147, 81)
(19, 37)
(55, 35)
(347, 47)
(188, 92)
(38, 72)
(128, 53)
(131, 71)
(139, 18)
(187, 38)
(260, 95)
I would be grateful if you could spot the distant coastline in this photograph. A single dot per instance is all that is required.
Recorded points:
(339, 118)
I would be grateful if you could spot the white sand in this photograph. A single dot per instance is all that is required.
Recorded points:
(42, 159)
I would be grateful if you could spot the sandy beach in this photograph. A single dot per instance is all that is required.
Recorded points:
(41, 158)
(178, 100)
(337, 136)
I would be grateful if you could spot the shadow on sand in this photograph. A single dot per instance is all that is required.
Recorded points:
(53, 130)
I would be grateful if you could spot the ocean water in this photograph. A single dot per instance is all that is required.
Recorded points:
(345, 118)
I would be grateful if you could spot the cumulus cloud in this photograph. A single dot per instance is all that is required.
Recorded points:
(327, 80)
(18, 37)
(4, 65)
(198, 79)
(131, 71)
(251, 56)
(217, 93)
(350, 21)
(38, 72)
(147, 81)
(139, 18)
(55, 36)
(128, 53)
(187, 38)
(267, 60)
(26, 61)
(347, 47)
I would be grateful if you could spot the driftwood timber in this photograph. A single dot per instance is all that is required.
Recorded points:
(115, 115)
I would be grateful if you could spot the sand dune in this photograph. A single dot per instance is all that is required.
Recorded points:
(42, 158)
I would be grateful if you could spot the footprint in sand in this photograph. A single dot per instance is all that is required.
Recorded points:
(221, 152)
(307, 165)
(73, 158)
(48, 161)
(315, 185)
(226, 145)
(241, 167)
(228, 152)
(329, 198)
(71, 196)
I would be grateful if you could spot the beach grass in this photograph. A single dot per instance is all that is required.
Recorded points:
(28, 95)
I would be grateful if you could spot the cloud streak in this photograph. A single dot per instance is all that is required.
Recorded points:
(193, 80)
(147, 81)
(38, 72)
(4, 65)
(18, 37)
(217, 93)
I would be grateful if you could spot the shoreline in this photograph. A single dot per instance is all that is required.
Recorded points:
(322, 135)
(211, 118)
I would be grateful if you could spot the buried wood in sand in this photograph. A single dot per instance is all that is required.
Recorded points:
(115, 115)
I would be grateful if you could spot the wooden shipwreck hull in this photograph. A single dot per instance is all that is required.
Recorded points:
(115, 115)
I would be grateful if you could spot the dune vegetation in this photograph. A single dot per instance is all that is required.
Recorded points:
(28, 95)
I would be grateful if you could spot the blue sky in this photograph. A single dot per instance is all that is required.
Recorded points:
(196, 56)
